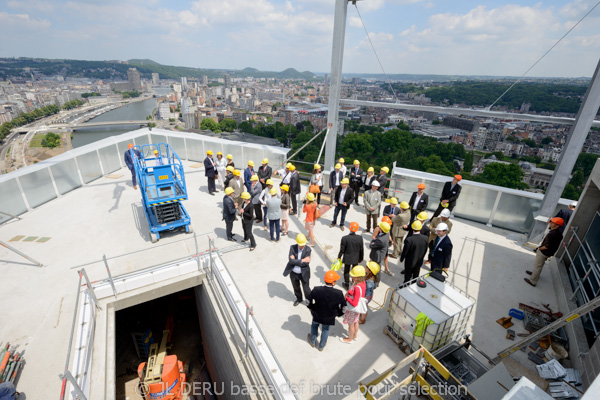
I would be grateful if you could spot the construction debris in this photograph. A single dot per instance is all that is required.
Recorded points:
(562, 390)
(506, 322)
(551, 370)
(573, 377)
(10, 363)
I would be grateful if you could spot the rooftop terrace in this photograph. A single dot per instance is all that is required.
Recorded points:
(105, 217)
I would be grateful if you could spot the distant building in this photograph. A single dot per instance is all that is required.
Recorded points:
(356, 81)
(133, 76)
(239, 117)
(204, 80)
(164, 111)
(184, 85)
(460, 123)
(155, 78)
(190, 120)
(227, 80)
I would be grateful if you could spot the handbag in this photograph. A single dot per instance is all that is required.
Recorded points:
(314, 189)
(317, 214)
(360, 308)
(337, 264)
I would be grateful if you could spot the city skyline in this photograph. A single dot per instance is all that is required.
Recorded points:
(410, 36)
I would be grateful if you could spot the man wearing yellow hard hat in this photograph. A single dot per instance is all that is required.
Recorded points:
(382, 178)
(356, 174)
(414, 251)
(298, 268)
(229, 211)
(343, 198)
(335, 181)
(248, 172)
(210, 170)
(264, 172)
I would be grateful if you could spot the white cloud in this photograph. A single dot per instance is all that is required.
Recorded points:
(9, 22)
(354, 22)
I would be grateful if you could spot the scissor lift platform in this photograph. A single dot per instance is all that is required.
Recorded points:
(162, 183)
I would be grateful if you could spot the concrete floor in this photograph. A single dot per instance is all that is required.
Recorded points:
(106, 217)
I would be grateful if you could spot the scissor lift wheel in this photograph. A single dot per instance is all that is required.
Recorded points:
(153, 237)
(189, 228)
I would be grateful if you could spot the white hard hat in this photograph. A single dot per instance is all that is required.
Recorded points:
(441, 227)
(375, 183)
(574, 204)
(445, 213)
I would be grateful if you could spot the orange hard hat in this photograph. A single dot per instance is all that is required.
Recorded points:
(331, 276)
(386, 219)
(558, 221)
(457, 177)
(353, 226)
(421, 186)
(130, 145)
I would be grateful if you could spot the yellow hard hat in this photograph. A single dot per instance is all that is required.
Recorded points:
(229, 157)
(230, 168)
(371, 169)
(251, 163)
(422, 216)
(254, 178)
(374, 267)
(356, 162)
(285, 188)
(229, 190)
(345, 181)
(246, 196)
(341, 160)
(417, 225)
(301, 239)
(404, 205)
(386, 169)
(265, 161)
(317, 166)
(219, 153)
(155, 151)
(310, 197)
(338, 166)
(385, 227)
(292, 167)
(273, 192)
(269, 182)
(358, 271)
(236, 172)
(209, 152)
(288, 165)
(394, 200)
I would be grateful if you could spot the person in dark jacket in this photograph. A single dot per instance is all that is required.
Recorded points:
(566, 216)
(421, 217)
(418, 201)
(335, 180)
(228, 175)
(294, 189)
(380, 243)
(382, 178)
(356, 179)
(210, 171)
(326, 303)
(247, 212)
(229, 211)
(413, 252)
(298, 268)
(264, 172)
(352, 252)
(391, 209)
(130, 164)
(547, 249)
(248, 173)
(343, 199)
(450, 194)
(442, 249)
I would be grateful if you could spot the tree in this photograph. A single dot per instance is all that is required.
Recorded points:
(51, 140)
(585, 162)
(547, 140)
(529, 142)
(246, 126)
(209, 124)
(506, 175)
(227, 125)
(468, 164)
(571, 192)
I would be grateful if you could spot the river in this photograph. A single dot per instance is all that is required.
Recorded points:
(137, 111)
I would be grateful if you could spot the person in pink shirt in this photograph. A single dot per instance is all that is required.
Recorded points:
(356, 292)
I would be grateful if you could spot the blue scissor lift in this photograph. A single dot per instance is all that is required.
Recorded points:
(160, 175)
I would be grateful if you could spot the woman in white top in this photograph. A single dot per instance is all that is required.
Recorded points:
(221, 165)
(317, 179)
(369, 179)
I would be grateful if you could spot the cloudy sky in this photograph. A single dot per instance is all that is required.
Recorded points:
(480, 37)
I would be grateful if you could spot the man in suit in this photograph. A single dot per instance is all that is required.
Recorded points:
(210, 170)
(400, 228)
(422, 217)
(442, 249)
(264, 172)
(247, 212)
(129, 156)
(450, 194)
(372, 201)
(326, 303)
(294, 189)
(566, 216)
(298, 268)
(382, 178)
(445, 218)
(237, 186)
(356, 179)
(343, 199)
(229, 210)
(418, 201)
(392, 209)
(248, 172)
(335, 180)
(413, 253)
(351, 252)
